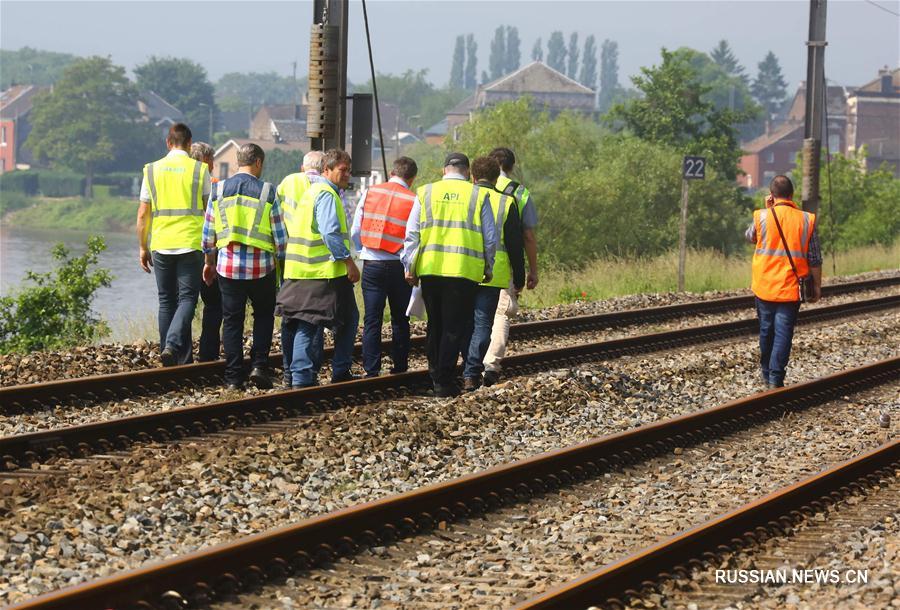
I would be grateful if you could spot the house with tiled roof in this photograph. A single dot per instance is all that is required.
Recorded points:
(873, 120)
(15, 105)
(549, 89)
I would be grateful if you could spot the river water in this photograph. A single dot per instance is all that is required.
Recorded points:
(128, 305)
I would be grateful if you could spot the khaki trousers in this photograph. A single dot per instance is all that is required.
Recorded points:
(507, 307)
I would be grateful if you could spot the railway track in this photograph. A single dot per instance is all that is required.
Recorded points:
(21, 451)
(221, 572)
(36, 396)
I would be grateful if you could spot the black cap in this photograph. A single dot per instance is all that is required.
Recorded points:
(456, 159)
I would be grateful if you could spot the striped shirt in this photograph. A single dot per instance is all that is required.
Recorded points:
(240, 261)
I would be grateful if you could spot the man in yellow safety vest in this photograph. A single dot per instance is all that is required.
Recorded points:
(449, 246)
(169, 227)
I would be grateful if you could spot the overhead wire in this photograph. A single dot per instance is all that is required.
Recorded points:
(375, 91)
(885, 9)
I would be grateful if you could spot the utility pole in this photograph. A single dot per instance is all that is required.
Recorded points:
(816, 98)
(327, 113)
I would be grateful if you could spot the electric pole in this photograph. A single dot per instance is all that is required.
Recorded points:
(816, 98)
(327, 111)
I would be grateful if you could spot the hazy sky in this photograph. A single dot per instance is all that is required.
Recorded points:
(243, 36)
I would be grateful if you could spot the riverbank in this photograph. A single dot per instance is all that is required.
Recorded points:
(104, 213)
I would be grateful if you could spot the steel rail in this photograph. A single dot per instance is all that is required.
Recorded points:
(242, 565)
(115, 386)
(637, 575)
(106, 436)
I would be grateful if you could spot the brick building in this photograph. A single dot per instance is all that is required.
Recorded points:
(873, 120)
(15, 105)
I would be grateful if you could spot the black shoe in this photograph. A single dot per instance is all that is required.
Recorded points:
(774, 386)
(167, 357)
(449, 391)
(345, 376)
(396, 371)
(471, 383)
(260, 378)
(300, 386)
(235, 386)
(372, 375)
(490, 378)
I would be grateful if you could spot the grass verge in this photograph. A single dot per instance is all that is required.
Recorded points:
(102, 213)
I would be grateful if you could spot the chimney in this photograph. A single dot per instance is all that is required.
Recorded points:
(887, 80)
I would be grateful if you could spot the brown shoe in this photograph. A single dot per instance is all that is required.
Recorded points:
(471, 383)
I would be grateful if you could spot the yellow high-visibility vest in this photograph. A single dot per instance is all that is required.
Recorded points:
(307, 256)
(500, 206)
(290, 191)
(451, 243)
(521, 194)
(176, 202)
(242, 219)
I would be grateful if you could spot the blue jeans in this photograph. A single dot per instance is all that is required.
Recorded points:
(384, 281)
(178, 283)
(776, 331)
(235, 294)
(486, 299)
(305, 342)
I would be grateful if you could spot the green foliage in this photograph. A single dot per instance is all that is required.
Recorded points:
(471, 70)
(864, 206)
(89, 118)
(104, 212)
(556, 52)
(414, 96)
(769, 87)
(60, 183)
(725, 59)
(56, 311)
(20, 182)
(588, 75)
(184, 84)
(572, 56)
(537, 51)
(586, 186)
(29, 66)
(513, 54)
(459, 59)
(10, 201)
(609, 75)
(497, 59)
(676, 111)
(280, 163)
(241, 91)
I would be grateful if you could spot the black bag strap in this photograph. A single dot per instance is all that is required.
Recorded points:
(784, 243)
(511, 188)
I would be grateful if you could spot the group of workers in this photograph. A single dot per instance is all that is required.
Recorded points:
(463, 240)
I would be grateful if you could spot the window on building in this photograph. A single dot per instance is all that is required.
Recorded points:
(767, 178)
(769, 157)
(793, 157)
(223, 171)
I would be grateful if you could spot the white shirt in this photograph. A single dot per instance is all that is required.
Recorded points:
(145, 198)
(372, 254)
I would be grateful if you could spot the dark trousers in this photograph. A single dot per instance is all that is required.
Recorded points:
(476, 345)
(178, 284)
(776, 332)
(450, 305)
(384, 281)
(235, 293)
(210, 342)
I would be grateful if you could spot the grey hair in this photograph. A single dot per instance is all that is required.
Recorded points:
(250, 153)
(313, 160)
(201, 151)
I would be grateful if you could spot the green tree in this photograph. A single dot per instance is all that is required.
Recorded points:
(556, 52)
(459, 58)
(497, 59)
(537, 51)
(609, 74)
(89, 118)
(725, 58)
(29, 66)
(573, 56)
(244, 90)
(513, 54)
(280, 163)
(415, 96)
(56, 311)
(769, 87)
(588, 76)
(184, 84)
(675, 111)
(471, 72)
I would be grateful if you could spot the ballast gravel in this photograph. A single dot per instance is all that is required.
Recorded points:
(102, 515)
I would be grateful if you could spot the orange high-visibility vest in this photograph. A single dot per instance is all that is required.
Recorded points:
(773, 278)
(385, 212)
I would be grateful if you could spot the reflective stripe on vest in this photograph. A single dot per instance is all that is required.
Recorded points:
(307, 256)
(244, 220)
(521, 193)
(385, 212)
(451, 243)
(773, 278)
(290, 191)
(500, 205)
(176, 202)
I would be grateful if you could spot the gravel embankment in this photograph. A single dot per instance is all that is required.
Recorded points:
(108, 358)
(101, 515)
(505, 558)
(88, 412)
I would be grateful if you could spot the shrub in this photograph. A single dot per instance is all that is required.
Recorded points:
(11, 201)
(22, 182)
(122, 184)
(60, 184)
(56, 311)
